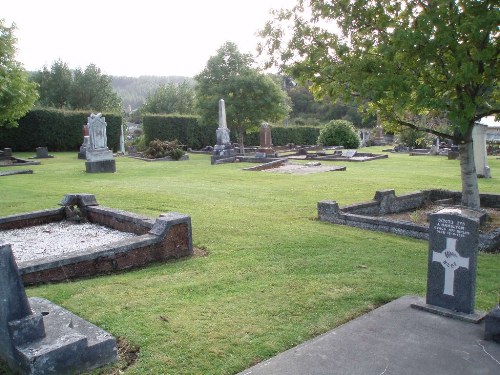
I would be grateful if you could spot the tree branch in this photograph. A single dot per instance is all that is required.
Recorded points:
(424, 129)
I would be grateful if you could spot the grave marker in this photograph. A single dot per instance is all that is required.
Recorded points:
(452, 262)
(99, 157)
(223, 149)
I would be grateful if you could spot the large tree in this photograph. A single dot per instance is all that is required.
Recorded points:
(413, 60)
(17, 94)
(171, 98)
(54, 85)
(92, 90)
(250, 97)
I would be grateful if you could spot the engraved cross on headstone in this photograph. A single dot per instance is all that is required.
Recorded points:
(451, 261)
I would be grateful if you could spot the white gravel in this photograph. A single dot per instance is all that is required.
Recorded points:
(58, 238)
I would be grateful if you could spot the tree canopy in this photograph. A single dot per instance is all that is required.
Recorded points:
(17, 94)
(171, 98)
(60, 87)
(250, 96)
(430, 65)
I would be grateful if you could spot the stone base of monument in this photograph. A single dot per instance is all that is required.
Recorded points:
(222, 152)
(100, 166)
(39, 337)
(82, 154)
(68, 345)
(265, 152)
(492, 325)
(475, 317)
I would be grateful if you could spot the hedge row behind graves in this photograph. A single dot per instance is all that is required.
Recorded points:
(189, 132)
(58, 130)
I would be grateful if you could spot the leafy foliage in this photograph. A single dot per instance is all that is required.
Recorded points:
(414, 138)
(339, 133)
(135, 90)
(410, 59)
(282, 136)
(17, 94)
(87, 89)
(171, 98)
(159, 149)
(54, 85)
(187, 129)
(250, 97)
(307, 110)
(56, 129)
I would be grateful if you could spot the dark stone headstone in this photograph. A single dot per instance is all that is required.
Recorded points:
(492, 325)
(38, 337)
(100, 166)
(14, 303)
(453, 247)
(42, 153)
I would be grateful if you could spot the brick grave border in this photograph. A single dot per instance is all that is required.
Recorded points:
(167, 237)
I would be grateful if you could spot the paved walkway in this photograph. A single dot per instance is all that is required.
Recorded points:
(394, 339)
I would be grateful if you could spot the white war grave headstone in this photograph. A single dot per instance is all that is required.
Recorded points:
(452, 263)
(480, 154)
(99, 156)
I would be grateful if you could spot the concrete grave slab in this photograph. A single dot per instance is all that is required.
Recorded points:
(38, 337)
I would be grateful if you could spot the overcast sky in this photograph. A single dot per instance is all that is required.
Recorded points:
(134, 38)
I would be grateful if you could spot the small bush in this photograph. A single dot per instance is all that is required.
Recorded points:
(339, 133)
(160, 149)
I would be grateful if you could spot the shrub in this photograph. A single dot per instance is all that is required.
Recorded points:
(414, 138)
(339, 133)
(159, 149)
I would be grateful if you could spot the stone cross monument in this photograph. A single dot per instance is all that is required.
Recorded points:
(223, 149)
(99, 156)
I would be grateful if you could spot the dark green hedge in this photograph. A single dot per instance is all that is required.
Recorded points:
(299, 135)
(55, 129)
(186, 129)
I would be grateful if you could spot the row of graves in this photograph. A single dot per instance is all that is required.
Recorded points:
(271, 158)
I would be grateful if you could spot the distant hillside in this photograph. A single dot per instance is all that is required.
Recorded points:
(134, 90)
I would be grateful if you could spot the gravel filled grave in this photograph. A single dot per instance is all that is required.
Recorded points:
(58, 238)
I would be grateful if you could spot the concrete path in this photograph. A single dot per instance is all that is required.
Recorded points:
(394, 339)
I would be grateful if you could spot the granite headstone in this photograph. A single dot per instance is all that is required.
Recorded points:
(38, 337)
(99, 157)
(453, 247)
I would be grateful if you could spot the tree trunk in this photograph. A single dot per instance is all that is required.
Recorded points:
(240, 141)
(470, 189)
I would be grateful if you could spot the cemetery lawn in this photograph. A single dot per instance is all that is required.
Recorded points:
(273, 276)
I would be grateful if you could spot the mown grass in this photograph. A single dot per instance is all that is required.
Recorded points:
(274, 276)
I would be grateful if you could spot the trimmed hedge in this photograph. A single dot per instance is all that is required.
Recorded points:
(281, 136)
(55, 129)
(189, 132)
(186, 129)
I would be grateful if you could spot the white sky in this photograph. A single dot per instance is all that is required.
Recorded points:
(133, 38)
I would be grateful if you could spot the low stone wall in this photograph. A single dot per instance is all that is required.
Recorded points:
(32, 218)
(366, 215)
(167, 237)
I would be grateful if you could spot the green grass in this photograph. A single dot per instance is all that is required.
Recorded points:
(274, 275)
